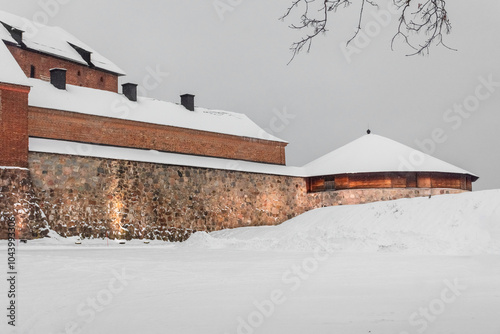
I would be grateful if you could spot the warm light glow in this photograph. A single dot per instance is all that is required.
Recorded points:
(115, 206)
(117, 215)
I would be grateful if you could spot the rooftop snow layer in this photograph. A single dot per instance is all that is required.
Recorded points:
(120, 153)
(372, 153)
(108, 104)
(9, 69)
(53, 40)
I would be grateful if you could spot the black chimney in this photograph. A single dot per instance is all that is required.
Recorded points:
(130, 91)
(58, 78)
(187, 100)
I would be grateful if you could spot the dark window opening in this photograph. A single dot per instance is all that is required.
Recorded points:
(330, 185)
(102, 79)
(16, 34)
(79, 73)
(318, 184)
(32, 71)
(86, 55)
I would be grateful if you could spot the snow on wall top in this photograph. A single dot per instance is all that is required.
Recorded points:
(166, 158)
(108, 104)
(52, 40)
(10, 71)
(372, 153)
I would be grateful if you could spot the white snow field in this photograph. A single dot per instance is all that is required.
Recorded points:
(426, 265)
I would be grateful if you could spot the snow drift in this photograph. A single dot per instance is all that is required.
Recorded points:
(467, 223)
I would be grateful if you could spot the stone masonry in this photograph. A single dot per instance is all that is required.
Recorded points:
(93, 197)
(18, 201)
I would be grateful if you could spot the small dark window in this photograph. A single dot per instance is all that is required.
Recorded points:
(320, 184)
(330, 185)
(32, 71)
(79, 73)
(102, 79)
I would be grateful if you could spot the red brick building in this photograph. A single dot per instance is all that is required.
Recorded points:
(74, 97)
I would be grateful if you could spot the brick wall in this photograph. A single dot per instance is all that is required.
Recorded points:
(90, 197)
(13, 125)
(77, 74)
(63, 125)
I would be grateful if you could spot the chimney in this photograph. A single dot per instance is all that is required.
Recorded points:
(130, 91)
(58, 78)
(187, 100)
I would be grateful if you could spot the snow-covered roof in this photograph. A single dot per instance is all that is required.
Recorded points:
(108, 104)
(175, 159)
(10, 71)
(373, 153)
(52, 40)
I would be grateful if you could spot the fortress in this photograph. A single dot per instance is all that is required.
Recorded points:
(82, 159)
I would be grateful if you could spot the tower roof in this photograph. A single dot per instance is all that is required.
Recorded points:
(373, 153)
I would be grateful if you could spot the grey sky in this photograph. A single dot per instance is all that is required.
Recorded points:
(237, 61)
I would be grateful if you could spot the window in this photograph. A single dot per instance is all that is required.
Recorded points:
(102, 79)
(79, 73)
(320, 184)
(330, 185)
(32, 71)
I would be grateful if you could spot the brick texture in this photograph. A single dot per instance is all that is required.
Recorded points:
(76, 74)
(13, 125)
(54, 124)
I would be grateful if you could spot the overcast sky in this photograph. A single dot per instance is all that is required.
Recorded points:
(236, 59)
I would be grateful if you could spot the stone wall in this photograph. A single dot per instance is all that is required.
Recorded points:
(92, 197)
(361, 196)
(18, 201)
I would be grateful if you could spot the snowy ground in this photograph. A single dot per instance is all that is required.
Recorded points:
(403, 267)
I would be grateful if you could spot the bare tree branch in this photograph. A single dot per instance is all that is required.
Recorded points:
(426, 21)
(309, 21)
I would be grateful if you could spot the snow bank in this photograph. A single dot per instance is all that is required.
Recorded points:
(466, 223)
(58, 242)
